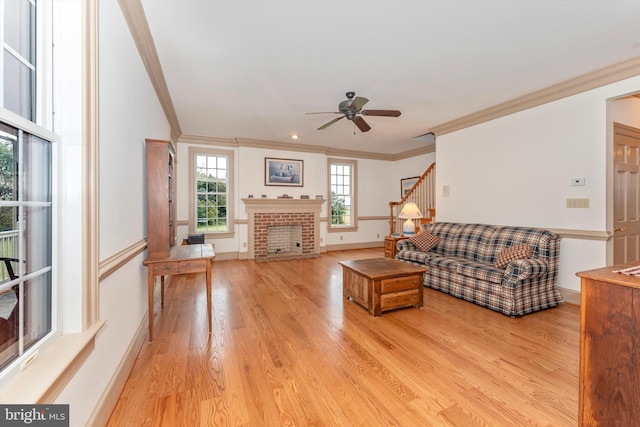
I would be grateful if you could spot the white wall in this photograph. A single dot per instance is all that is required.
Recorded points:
(374, 193)
(129, 113)
(625, 111)
(407, 168)
(517, 170)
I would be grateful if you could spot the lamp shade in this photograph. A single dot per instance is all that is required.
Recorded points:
(410, 210)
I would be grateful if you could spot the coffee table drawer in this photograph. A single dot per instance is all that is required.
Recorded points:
(398, 284)
(400, 299)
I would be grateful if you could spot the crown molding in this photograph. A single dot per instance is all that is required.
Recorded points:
(595, 79)
(207, 140)
(335, 152)
(285, 146)
(417, 152)
(133, 13)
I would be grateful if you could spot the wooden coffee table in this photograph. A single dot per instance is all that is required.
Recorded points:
(382, 284)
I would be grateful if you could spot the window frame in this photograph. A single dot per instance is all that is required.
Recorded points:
(39, 124)
(37, 44)
(13, 119)
(353, 165)
(202, 151)
(63, 351)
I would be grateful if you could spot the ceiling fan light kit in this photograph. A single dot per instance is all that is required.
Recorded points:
(351, 108)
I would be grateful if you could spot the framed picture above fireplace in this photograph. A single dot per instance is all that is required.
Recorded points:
(283, 172)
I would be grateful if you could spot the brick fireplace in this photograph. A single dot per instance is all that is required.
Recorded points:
(281, 215)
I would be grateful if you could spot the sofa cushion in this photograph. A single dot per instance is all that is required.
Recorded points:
(447, 233)
(474, 241)
(443, 263)
(425, 241)
(480, 271)
(518, 251)
(414, 256)
(538, 239)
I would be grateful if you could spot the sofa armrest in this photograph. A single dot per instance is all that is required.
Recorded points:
(522, 269)
(406, 245)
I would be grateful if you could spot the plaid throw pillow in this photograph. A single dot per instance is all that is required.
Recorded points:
(518, 251)
(425, 240)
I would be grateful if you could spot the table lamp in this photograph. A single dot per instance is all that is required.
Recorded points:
(409, 212)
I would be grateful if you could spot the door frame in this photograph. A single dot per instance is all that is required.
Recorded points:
(610, 172)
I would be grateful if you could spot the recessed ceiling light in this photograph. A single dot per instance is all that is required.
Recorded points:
(294, 136)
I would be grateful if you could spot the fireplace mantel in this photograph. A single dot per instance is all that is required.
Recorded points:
(266, 205)
(282, 206)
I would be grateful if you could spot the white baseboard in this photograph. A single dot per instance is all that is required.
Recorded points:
(349, 246)
(570, 296)
(109, 398)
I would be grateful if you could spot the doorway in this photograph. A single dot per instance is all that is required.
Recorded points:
(626, 194)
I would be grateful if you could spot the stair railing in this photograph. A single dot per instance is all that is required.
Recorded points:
(422, 194)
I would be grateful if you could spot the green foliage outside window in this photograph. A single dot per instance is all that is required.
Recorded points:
(211, 203)
(7, 178)
(338, 209)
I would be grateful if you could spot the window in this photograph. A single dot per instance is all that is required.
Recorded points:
(211, 174)
(25, 241)
(342, 187)
(19, 57)
(27, 286)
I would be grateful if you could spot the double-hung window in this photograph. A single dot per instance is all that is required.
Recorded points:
(342, 188)
(211, 192)
(27, 286)
(19, 56)
(25, 241)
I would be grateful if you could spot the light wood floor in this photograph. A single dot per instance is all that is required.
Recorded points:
(286, 349)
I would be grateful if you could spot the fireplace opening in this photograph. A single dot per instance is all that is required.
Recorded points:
(284, 240)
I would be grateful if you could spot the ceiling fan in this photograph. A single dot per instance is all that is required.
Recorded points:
(351, 108)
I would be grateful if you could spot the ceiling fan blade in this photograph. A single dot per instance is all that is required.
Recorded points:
(358, 102)
(326, 125)
(385, 113)
(362, 125)
(326, 112)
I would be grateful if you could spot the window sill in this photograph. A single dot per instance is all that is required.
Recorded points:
(47, 375)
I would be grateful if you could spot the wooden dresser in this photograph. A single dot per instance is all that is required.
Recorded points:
(609, 348)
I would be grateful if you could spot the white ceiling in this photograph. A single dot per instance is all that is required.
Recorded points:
(252, 69)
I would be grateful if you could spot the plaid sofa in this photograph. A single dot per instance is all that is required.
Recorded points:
(462, 265)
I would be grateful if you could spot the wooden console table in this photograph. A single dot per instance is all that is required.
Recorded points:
(182, 260)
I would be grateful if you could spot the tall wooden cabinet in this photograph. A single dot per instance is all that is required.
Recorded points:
(161, 227)
(609, 392)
